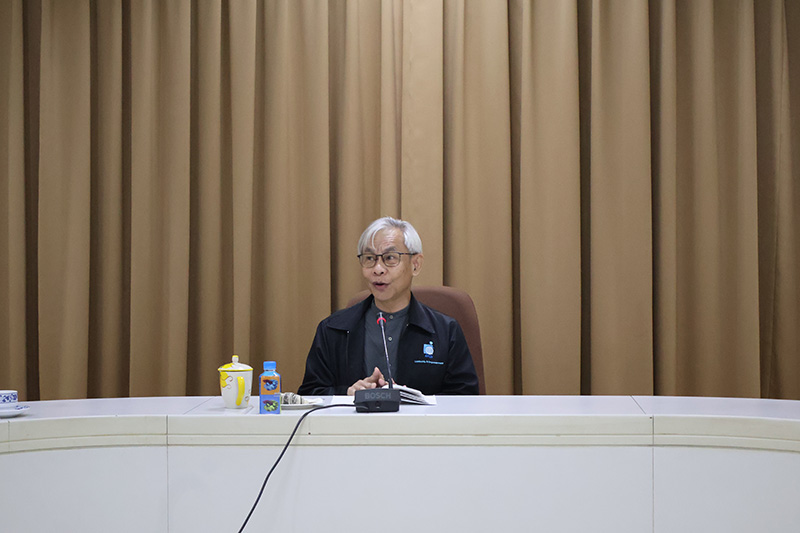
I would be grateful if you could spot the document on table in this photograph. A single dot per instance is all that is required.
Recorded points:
(413, 396)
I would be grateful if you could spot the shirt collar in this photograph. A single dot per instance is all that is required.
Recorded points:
(348, 319)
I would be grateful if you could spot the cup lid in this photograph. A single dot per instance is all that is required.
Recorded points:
(235, 366)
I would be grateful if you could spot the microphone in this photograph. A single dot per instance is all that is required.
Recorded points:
(381, 322)
(379, 400)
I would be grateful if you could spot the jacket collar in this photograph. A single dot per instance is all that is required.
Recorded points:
(348, 319)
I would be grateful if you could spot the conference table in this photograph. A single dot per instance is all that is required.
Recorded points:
(473, 463)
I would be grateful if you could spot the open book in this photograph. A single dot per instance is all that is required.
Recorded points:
(409, 395)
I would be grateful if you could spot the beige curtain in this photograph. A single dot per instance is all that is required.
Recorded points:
(614, 182)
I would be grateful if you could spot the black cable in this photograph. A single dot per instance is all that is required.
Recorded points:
(296, 427)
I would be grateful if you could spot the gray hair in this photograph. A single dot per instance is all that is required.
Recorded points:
(410, 235)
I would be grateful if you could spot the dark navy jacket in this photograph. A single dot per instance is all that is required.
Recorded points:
(336, 358)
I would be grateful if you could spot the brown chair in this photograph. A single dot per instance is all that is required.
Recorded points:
(457, 304)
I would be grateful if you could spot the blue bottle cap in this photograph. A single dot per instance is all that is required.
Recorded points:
(269, 365)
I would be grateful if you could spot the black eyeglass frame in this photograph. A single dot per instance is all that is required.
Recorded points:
(380, 256)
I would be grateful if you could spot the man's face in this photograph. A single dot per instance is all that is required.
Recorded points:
(391, 286)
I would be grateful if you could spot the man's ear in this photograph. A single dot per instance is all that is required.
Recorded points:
(416, 264)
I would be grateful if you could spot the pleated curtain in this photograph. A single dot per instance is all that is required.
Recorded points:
(616, 184)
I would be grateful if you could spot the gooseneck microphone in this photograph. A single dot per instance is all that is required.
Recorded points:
(379, 400)
(381, 322)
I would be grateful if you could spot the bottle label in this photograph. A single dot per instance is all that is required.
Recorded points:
(270, 385)
(270, 404)
(270, 395)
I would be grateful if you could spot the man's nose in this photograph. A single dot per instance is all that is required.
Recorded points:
(379, 267)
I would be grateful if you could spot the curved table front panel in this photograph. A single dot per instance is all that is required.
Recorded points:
(491, 463)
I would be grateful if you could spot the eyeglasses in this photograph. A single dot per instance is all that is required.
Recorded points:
(390, 259)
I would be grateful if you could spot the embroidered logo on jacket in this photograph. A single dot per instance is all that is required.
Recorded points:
(427, 353)
(427, 350)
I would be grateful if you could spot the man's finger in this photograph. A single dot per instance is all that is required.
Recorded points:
(376, 375)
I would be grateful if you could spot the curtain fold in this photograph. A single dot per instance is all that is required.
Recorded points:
(547, 194)
(663, 91)
(238, 61)
(109, 274)
(477, 173)
(160, 195)
(421, 125)
(291, 190)
(614, 183)
(780, 350)
(717, 271)
(13, 325)
(64, 198)
(358, 138)
(210, 303)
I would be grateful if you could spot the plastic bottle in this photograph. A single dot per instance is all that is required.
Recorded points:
(269, 390)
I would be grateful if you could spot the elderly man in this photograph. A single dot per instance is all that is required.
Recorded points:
(427, 349)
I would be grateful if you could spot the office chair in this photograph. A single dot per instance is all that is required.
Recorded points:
(454, 303)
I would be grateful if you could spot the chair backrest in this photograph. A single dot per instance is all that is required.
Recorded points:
(457, 304)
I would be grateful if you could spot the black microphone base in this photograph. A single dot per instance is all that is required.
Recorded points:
(377, 400)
